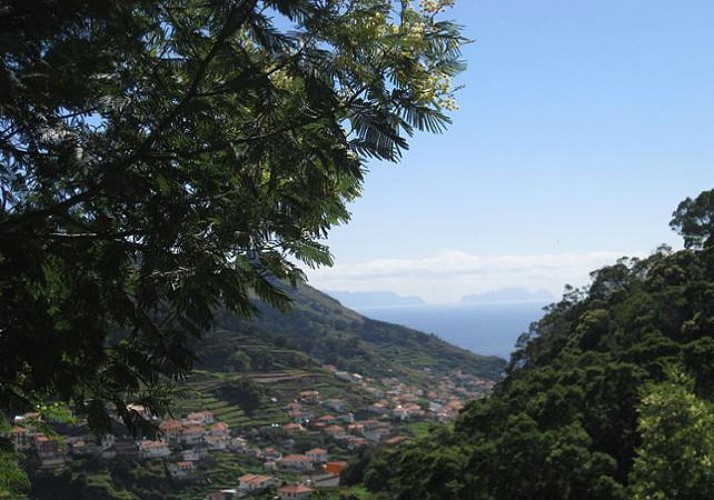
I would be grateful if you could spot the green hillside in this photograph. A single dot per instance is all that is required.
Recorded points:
(248, 371)
(318, 329)
(609, 395)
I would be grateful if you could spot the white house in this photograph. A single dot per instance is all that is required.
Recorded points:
(294, 492)
(377, 434)
(253, 483)
(216, 442)
(317, 455)
(192, 434)
(219, 429)
(296, 462)
(181, 470)
(171, 428)
(200, 417)
(154, 449)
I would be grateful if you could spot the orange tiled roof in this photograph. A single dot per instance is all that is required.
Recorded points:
(168, 425)
(152, 444)
(295, 488)
(253, 479)
(335, 467)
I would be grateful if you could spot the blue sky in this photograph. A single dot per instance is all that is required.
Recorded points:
(582, 125)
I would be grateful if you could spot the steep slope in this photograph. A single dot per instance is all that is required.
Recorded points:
(318, 329)
(248, 372)
(609, 396)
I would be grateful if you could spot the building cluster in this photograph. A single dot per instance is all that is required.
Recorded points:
(259, 484)
(330, 423)
(394, 399)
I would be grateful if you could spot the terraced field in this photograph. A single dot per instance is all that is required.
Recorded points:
(279, 387)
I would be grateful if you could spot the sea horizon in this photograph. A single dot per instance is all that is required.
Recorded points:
(489, 329)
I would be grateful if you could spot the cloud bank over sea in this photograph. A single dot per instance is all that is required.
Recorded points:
(451, 274)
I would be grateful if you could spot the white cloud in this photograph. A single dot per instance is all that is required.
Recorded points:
(450, 274)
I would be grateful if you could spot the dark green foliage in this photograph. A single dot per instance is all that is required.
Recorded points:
(694, 220)
(430, 471)
(585, 411)
(120, 479)
(243, 393)
(159, 159)
(354, 473)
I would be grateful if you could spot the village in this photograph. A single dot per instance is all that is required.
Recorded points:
(291, 459)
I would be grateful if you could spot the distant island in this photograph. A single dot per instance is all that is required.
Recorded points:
(511, 294)
(374, 299)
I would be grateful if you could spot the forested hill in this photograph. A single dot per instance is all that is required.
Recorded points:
(319, 329)
(609, 395)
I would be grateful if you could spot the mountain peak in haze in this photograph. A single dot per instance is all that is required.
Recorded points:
(510, 294)
(373, 299)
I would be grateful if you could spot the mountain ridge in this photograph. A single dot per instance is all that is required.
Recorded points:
(330, 333)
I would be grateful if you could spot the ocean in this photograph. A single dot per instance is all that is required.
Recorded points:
(490, 329)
